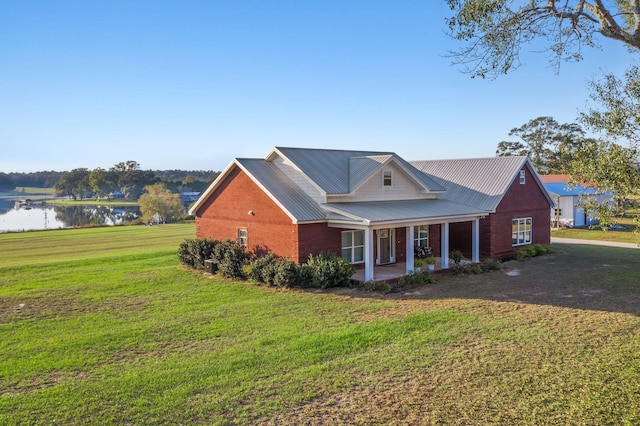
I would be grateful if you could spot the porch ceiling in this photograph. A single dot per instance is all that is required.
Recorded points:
(402, 211)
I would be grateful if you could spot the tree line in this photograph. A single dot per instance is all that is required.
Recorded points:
(123, 180)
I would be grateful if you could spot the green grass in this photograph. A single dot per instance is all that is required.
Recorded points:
(29, 192)
(93, 202)
(102, 326)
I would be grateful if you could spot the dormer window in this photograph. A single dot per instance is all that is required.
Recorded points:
(522, 177)
(387, 178)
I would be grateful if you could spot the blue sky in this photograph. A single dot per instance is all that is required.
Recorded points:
(193, 84)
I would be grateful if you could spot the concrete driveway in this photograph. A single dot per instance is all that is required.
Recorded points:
(593, 242)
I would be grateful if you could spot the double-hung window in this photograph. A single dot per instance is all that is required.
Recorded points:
(387, 178)
(353, 246)
(421, 236)
(521, 231)
(242, 236)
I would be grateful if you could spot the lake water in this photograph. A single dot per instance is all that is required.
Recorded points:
(46, 216)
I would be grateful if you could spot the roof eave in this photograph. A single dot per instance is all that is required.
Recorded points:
(205, 195)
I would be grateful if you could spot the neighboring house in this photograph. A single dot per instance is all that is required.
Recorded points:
(188, 197)
(375, 208)
(568, 210)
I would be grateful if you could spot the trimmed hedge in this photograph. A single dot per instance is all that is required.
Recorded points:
(232, 261)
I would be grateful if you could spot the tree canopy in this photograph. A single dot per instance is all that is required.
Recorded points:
(616, 112)
(159, 204)
(495, 31)
(550, 146)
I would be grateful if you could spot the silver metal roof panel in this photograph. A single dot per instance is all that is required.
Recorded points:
(292, 198)
(478, 182)
(412, 210)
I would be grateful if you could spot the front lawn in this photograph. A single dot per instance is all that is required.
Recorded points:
(102, 326)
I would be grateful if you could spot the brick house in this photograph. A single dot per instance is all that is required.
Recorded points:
(375, 208)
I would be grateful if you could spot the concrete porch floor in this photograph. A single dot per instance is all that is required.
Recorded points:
(388, 272)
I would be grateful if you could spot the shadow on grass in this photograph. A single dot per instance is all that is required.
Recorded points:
(574, 276)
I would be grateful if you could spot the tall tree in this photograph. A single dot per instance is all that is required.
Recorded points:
(132, 180)
(74, 184)
(616, 112)
(102, 181)
(548, 144)
(159, 203)
(609, 165)
(608, 168)
(496, 30)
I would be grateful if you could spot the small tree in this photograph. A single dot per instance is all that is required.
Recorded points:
(159, 203)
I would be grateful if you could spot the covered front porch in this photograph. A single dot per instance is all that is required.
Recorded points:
(389, 272)
(376, 270)
(378, 234)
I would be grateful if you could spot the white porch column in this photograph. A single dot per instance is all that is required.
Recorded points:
(369, 262)
(444, 245)
(475, 240)
(409, 245)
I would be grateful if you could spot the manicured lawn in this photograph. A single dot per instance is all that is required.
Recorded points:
(93, 202)
(619, 235)
(102, 326)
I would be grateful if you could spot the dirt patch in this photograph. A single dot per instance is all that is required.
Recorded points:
(579, 277)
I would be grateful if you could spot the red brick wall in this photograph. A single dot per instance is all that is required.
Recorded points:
(315, 238)
(520, 201)
(460, 237)
(268, 229)
(434, 240)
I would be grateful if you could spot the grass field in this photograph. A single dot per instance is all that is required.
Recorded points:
(94, 201)
(102, 326)
(585, 233)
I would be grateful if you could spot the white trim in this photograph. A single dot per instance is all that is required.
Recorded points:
(392, 245)
(409, 250)
(475, 240)
(369, 262)
(524, 231)
(384, 178)
(276, 152)
(444, 244)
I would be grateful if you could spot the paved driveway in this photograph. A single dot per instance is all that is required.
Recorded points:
(593, 242)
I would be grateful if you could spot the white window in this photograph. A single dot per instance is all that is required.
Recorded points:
(521, 231)
(387, 178)
(557, 212)
(523, 177)
(242, 237)
(353, 246)
(421, 236)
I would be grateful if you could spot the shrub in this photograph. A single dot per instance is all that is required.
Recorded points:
(263, 269)
(456, 256)
(305, 275)
(542, 249)
(525, 252)
(329, 270)
(378, 286)
(491, 265)
(285, 273)
(193, 252)
(475, 269)
(230, 258)
(458, 269)
(416, 279)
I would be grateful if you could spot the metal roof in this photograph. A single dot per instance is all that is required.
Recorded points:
(478, 182)
(332, 170)
(562, 189)
(411, 210)
(283, 190)
(473, 186)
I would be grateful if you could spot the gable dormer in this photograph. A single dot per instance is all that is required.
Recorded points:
(334, 176)
(384, 178)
